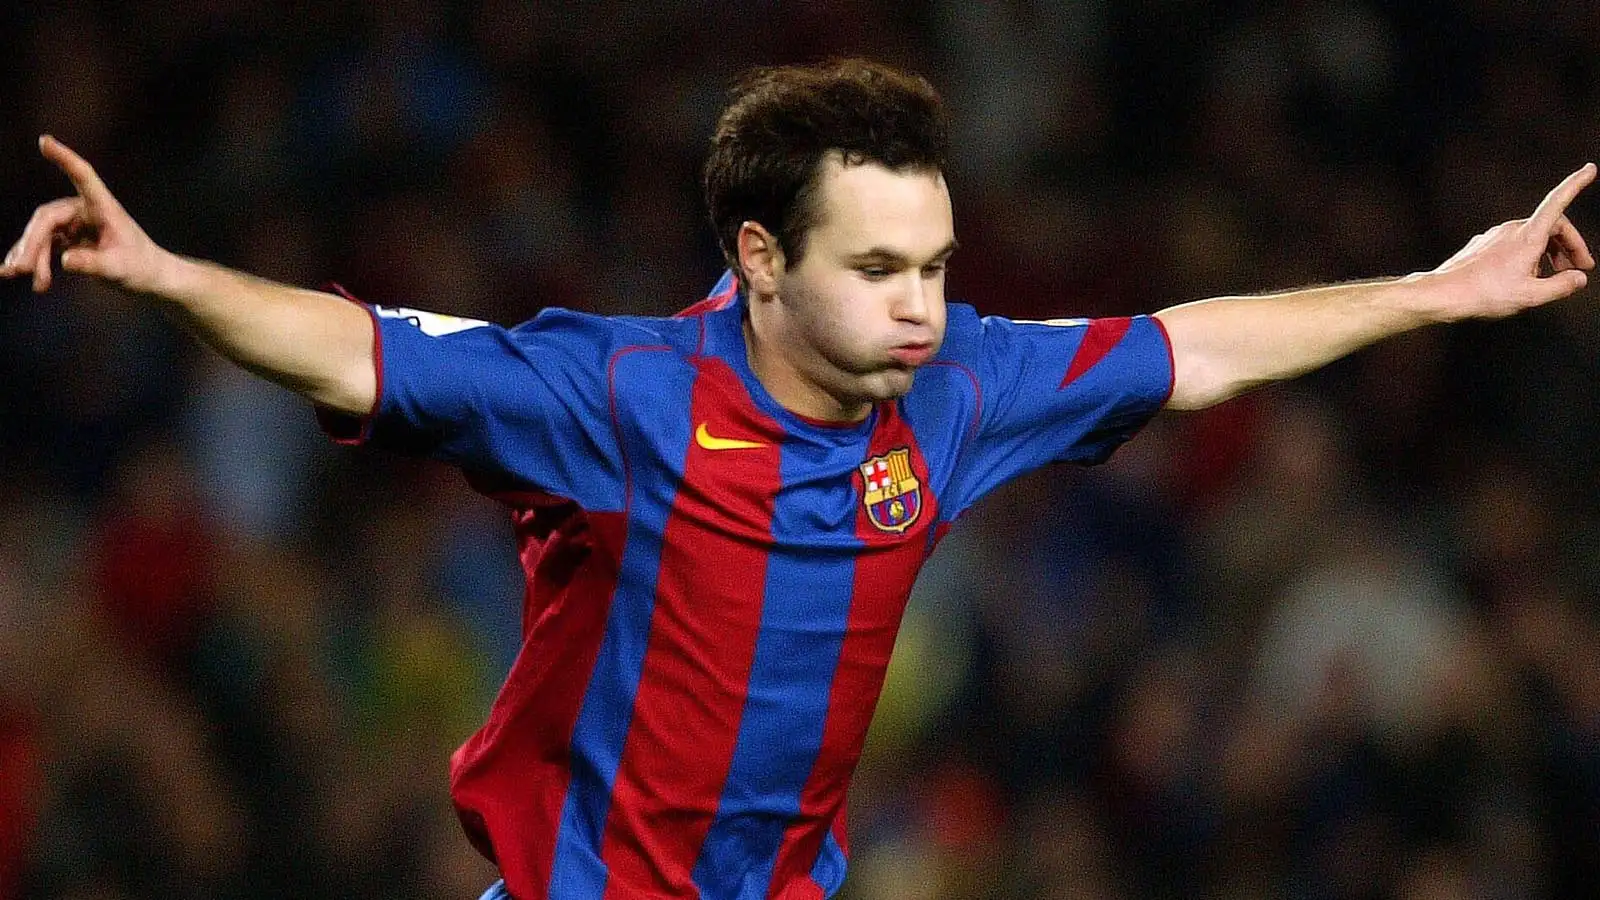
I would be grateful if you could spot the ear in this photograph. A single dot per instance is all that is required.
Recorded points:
(760, 259)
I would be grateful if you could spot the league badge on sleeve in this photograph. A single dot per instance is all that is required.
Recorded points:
(890, 491)
(429, 323)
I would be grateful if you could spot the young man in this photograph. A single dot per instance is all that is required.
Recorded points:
(722, 513)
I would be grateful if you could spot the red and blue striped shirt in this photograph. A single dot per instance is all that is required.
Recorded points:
(714, 584)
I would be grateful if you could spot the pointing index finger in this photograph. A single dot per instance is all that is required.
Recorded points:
(83, 175)
(1556, 202)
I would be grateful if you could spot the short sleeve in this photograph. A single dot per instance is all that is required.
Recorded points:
(1065, 390)
(519, 408)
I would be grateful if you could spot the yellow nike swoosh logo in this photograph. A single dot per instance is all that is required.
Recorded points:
(711, 442)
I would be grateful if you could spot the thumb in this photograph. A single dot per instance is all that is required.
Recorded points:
(83, 261)
(1562, 284)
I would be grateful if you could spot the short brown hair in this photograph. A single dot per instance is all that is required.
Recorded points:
(782, 121)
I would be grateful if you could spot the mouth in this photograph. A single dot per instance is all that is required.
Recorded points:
(912, 354)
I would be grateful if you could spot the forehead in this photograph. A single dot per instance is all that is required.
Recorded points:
(863, 206)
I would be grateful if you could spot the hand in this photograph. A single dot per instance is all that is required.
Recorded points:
(96, 234)
(1498, 272)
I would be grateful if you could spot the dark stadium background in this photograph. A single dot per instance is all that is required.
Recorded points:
(1335, 640)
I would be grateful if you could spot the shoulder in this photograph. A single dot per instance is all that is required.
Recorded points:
(966, 330)
(971, 338)
(963, 334)
(952, 374)
(589, 333)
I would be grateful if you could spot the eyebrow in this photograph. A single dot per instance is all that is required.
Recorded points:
(885, 254)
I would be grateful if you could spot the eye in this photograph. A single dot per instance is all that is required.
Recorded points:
(933, 270)
(874, 273)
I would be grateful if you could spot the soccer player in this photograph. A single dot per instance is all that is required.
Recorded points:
(721, 513)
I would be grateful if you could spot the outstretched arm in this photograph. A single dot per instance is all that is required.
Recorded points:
(1228, 345)
(315, 344)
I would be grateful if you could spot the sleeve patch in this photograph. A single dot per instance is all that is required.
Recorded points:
(429, 323)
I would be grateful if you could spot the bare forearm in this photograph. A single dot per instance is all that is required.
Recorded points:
(313, 343)
(1225, 346)
(316, 344)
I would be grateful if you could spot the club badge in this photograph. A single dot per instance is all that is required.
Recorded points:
(890, 491)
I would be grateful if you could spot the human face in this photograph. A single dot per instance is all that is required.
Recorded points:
(865, 305)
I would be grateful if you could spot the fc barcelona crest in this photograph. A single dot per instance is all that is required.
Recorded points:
(891, 492)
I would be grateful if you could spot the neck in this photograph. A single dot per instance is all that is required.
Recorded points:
(791, 388)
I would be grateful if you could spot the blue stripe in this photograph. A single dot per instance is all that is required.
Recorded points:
(805, 609)
(607, 711)
(828, 872)
(496, 891)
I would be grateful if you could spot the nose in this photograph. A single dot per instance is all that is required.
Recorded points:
(912, 303)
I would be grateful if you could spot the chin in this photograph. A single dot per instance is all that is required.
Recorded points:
(893, 384)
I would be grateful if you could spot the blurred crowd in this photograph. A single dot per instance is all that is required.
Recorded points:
(1332, 640)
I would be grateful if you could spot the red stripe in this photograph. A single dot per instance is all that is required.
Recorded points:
(885, 570)
(711, 303)
(509, 781)
(702, 642)
(1098, 339)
